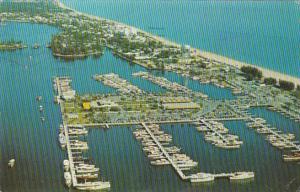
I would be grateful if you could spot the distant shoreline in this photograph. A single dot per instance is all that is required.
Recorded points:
(265, 72)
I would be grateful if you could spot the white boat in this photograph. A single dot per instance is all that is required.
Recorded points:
(66, 165)
(160, 162)
(61, 128)
(157, 157)
(92, 186)
(150, 149)
(62, 140)
(86, 170)
(78, 132)
(11, 163)
(86, 166)
(202, 128)
(187, 164)
(202, 177)
(80, 145)
(172, 150)
(154, 155)
(68, 179)
(242, 176)
(87, 176)
(148, 144)
(228, 145)
(291, 157)
(39, 98)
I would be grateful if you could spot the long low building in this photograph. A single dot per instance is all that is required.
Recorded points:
(174, 106)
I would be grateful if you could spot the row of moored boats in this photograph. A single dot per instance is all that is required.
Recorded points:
(283, 141)
(80, 169)
(159, 151)
(217, 134)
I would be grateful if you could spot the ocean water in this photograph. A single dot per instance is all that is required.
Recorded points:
(263, 33)
(28, 73)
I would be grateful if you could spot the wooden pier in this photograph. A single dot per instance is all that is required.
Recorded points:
(70, 157)
(72, 161)
(224, 139)
(166, 154)
(275, 132)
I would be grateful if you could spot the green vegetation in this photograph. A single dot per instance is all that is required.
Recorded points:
(11, 45)
(251, 73)
(296, 93)
(75, 44)
(286, 85)
(31, 8)
(270, 81)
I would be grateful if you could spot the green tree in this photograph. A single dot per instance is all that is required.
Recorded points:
(270, 81)
(286, 85)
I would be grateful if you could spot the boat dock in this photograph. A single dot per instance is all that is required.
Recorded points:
(122, 85)
(156, 144)
(291, 113)
(129, 123)
(164, 83)
(78, 173)
(164, 154)
(62, 86)
(276, 137)
(217, 134)
(70, 157)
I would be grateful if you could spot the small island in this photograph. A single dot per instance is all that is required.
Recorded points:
(11, 45)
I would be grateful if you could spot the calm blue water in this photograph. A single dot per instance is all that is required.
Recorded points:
(264, 33)
(39, 159)
(28, 73)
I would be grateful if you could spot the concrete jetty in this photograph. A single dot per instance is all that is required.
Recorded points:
(77, 172)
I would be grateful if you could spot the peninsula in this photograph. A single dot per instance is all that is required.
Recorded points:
(84, 35)
(197, 52)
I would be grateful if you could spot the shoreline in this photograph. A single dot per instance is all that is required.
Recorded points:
(265, 72)
(223, 59)
(76, 56)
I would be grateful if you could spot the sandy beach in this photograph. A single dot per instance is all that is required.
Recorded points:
(239, 64)
(209, 55)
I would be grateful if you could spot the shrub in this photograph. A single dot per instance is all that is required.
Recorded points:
(270, 81)
(251, 72)
(286, 85)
